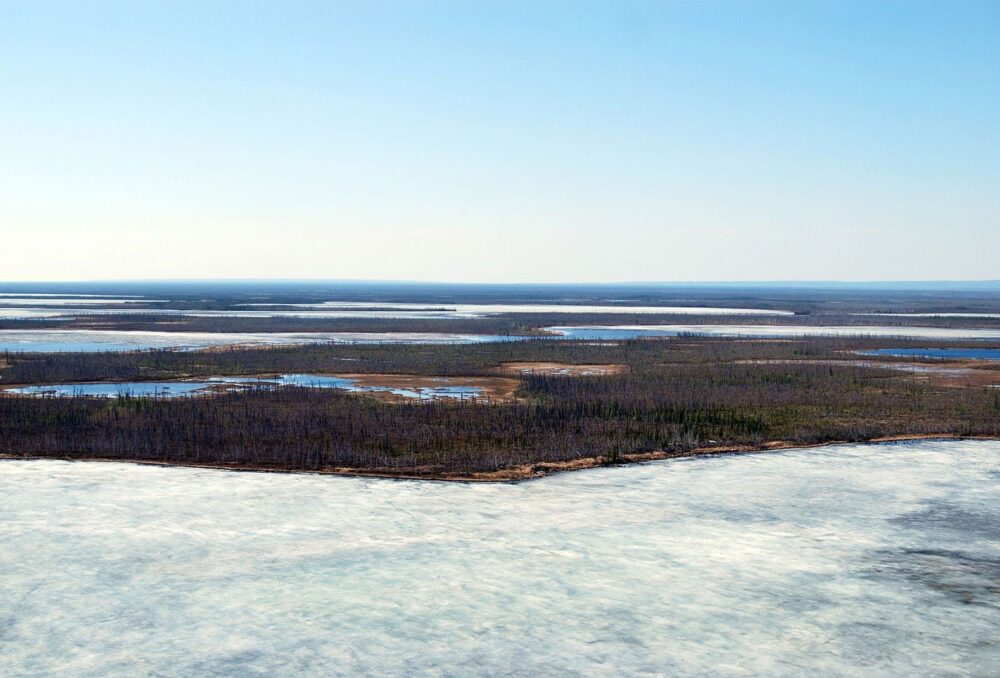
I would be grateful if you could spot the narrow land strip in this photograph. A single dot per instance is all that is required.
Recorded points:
(517, 473)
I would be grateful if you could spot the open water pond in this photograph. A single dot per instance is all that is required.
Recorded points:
(161, 389)
(176, 389)
(941, 353)
(424, 392)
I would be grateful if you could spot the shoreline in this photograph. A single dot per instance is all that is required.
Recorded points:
(514, 474)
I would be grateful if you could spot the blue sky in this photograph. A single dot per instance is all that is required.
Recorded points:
(500, 141)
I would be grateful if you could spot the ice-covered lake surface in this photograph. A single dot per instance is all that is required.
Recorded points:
(612, 332)
(342, 309)
(16, 313)
(88, 341)
(397, 310)
(72, 300)
(849, 560)
(55, 341)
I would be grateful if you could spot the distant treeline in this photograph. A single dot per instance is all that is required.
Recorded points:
(799, 297)
(502, 324)
(654, 406)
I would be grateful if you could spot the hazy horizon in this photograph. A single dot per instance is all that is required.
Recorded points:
(988, 284)
(500, 142)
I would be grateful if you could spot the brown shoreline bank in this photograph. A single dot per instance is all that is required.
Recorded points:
(518, 473)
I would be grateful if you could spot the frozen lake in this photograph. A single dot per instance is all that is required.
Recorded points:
(848, 560)
(402, 310)
(58, 300)
(54, 341)
(32, 307)
(89, 341)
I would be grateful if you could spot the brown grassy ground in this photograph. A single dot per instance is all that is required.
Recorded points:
(952, 373)
(564, 369)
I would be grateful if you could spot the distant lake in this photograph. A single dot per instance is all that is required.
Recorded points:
(943, 353)
(55, 341)
(72, 300)
(612, 332)
(932, 315)
(14, 313)
(84, 341)
(343, 309)
(481, 310)
(850, 560)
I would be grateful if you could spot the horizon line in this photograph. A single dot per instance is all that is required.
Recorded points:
(742, 282)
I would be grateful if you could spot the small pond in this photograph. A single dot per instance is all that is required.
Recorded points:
(175, 389)
(941, 353)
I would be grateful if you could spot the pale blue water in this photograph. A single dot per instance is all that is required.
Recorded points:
(326, 381)
(850, 561)
(56, 341)
(956, 314)
(31, 346)
(612, 333)
(164, 389)
(943, 353)
(620, 332)
(174, 389)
